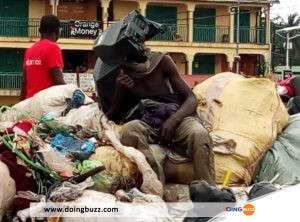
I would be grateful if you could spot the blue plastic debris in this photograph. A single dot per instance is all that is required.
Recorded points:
(78, 98)
(75, 102)
(70, 145)
(48, 116)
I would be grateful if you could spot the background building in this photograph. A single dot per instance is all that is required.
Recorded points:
(201, 35)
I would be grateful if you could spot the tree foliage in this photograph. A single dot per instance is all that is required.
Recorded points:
(278, 49)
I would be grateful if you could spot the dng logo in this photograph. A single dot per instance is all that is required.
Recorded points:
(247, 209)
(234, 209)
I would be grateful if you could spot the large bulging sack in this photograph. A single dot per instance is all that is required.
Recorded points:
(245, 110)
(116, 162)
(281, 164)
(85, 116)
(52, 99)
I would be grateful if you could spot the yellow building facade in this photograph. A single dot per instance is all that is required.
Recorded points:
(201, 36)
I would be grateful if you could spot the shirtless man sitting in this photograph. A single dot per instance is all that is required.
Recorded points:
(168, 114)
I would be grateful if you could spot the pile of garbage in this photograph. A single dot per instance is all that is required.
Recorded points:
(59, 137)
(59, 146)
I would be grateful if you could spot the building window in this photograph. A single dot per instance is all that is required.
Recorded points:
(204, 64)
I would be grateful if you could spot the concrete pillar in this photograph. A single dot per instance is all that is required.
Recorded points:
(231, 26)
(143, 7)
(105, 6)
(190, 60)
(191, 9)
(267, 59)
(268, 26)
(52, 4)
(230, 60)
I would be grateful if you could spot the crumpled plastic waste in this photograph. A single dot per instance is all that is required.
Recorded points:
(160, 208)
(261, 189)
(21, 127)
(136, 196)
(69, 191)
(23, 144)
(122, 196)
(70, 145)
(107, 182)
(293, 105)
(57, 162)
(104, 181)
(29, 195)
(87, 165)
(66, 192)
(75, 102)
(51, 127)
(48, 116)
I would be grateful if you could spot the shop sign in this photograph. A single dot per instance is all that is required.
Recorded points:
(86, 80)
(84, 29)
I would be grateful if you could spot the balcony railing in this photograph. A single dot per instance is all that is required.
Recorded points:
(12, 81)
(13, 27)
(220, 34)
(252, 35)
(30, 28)
(211, 34)
(172, 32)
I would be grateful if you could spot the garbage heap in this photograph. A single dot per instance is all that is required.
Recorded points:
(61, 136)
(59, 146)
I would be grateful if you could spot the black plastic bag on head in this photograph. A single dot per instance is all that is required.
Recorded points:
(121, 40)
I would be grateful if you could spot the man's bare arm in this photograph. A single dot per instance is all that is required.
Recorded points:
(186, 109)
(123, 82)
(115, 102)
(190, 102)
(57, 76)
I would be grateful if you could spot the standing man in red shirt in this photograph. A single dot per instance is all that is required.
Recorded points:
(43, 62)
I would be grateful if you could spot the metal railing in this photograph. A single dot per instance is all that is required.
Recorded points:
(11, 80)
(212, 34)
(173, 32)
(14, 27)
(253, 35)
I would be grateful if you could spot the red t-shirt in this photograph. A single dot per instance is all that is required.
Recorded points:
(287, 84)
(38, 60)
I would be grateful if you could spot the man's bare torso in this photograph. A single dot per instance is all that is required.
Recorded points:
(154, 84)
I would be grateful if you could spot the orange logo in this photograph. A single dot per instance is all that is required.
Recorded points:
(248, 209)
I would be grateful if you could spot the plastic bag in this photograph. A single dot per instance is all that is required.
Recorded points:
(85, 116)
(57, 162)
(87, 165)
(70, 145)
(281, 164)
(107, 182)
(69, 191)
(52, 99)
